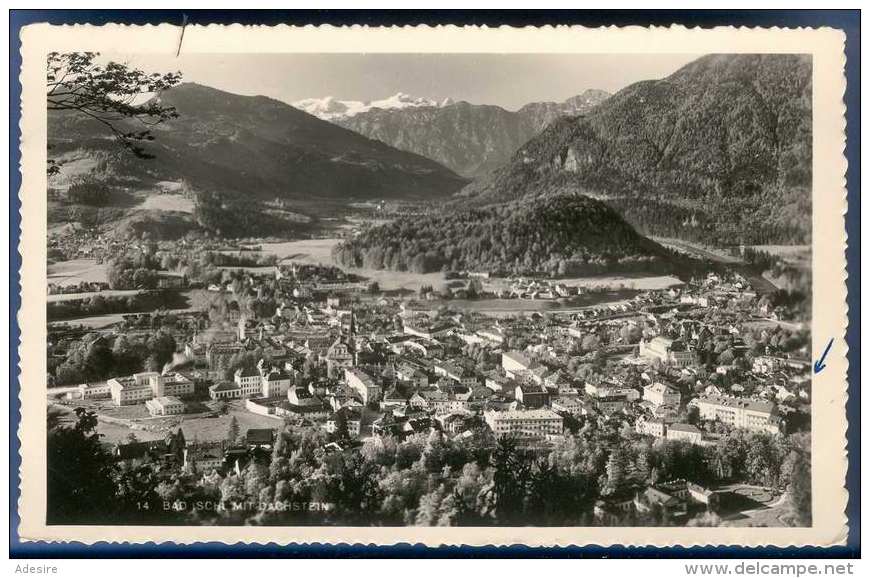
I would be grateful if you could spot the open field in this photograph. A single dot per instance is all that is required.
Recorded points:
(115, 423)
(307, 250)
(168, 202)
(206, 429)
(95, 322)
(76, 271)
(785, 250)
(107, 293)
(753, 506)
(797, 255)
(320, 251)
(197, 299)
(696, 250)
(632, 281)
(401, 281)
(639, 282)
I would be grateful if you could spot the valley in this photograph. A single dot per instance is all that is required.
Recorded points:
(589, 311)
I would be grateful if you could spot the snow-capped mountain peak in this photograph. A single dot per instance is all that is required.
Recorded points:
(330, 108)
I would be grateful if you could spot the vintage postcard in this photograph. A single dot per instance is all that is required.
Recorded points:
(438, 285)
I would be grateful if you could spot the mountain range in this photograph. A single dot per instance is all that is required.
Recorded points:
(333, 109)
(256, 148)
(720, 152)
(470, 139)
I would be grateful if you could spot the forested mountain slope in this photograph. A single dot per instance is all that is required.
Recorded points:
(258, 147)
(471, 139)
(720, 151)
(557, 235)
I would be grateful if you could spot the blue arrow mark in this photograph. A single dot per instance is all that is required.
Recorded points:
(819, 365)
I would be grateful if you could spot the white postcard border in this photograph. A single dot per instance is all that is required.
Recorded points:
(829, 457)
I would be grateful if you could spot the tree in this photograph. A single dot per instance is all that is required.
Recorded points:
(88, 190)
(98, 359)
(280, 452)
(356, 494)
(109, 94)
(512, 473)
(126, 360)
(643, 468)
(341, 431)
(616, 472)
(233, 431)
(434, 452)
(726, 357)
(693, 415)
(80, 485)
(630, 333)
(437, 508)
(800, 494)
(162, 347)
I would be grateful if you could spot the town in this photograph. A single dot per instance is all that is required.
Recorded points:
(677, 404)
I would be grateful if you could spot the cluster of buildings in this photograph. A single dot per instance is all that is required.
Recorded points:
(144, 387)
(378, 367)
(253, 382)
(193, 455)
(672, 500)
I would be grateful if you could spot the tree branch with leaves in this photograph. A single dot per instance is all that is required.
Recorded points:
(109, 94)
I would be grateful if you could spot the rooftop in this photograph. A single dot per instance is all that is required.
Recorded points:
(224, 386)
(527, 414)
(738, 403)
(518, 357)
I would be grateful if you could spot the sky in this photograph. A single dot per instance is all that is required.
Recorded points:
(506, 80)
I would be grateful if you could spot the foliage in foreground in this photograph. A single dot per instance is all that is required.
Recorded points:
(426, 479)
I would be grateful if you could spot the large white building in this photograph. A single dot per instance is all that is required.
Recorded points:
(140, 387)
(533, 423)
(738, 412)
(249, 381)
(275, 383)
(95, 390)
(363, 384)
(167, 405)
(172, 384)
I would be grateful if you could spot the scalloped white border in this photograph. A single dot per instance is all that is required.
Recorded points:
(826, 45)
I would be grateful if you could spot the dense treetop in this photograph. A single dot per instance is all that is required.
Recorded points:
(557, 235)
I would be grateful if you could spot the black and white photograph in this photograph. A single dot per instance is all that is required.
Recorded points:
(429, 289)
